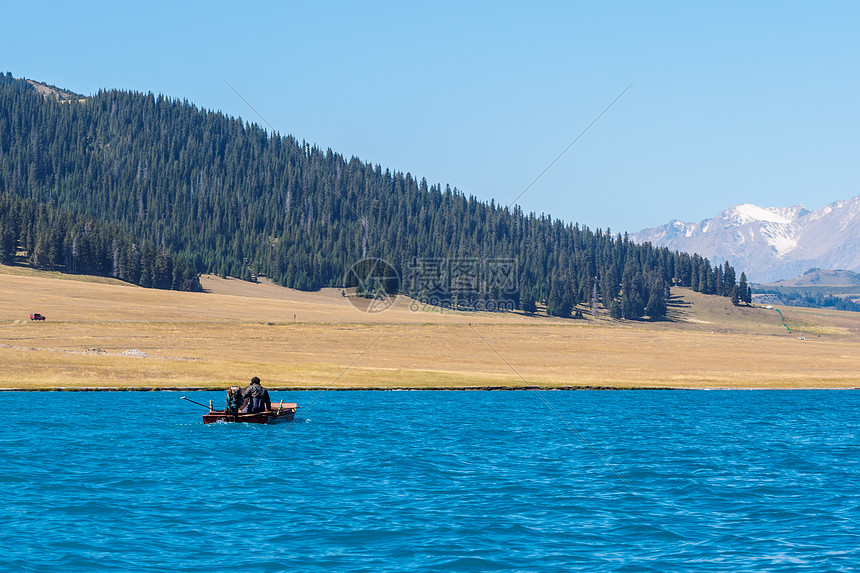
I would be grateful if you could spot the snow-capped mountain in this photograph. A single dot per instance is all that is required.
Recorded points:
(770, 243)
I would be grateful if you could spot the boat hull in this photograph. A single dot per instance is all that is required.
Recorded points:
(280, 413)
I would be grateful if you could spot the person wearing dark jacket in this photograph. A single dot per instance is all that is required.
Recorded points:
(255, 398)
(234, 400)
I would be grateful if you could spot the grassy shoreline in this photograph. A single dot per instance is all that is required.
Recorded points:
(356, 389)
(437, 389)
(111, 337)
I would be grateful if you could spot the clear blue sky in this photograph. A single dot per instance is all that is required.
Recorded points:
(740, 102)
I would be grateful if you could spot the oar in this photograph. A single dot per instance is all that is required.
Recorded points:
(193, 402)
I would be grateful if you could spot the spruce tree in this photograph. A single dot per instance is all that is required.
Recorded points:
(527, 302)
(615, 309)
(656, 308)
(728, 279)
(736, 299)
(560, 301)
(744, 290)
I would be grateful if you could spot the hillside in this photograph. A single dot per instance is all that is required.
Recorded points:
(240, 202)
(815, 288)
(55, 93)
(820, 277)
(109, 334)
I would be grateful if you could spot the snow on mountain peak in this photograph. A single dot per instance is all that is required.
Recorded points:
(748, 213)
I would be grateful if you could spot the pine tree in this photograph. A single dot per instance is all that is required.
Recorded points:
(728, 279)
(560, 301)
(744, 292)
(7, 245)
(615, 309)
(527, 302)
(656, 308)
(736, 299)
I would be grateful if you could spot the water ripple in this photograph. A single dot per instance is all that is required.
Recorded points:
(437, 481)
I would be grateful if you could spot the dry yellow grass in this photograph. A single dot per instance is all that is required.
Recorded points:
(106, 334)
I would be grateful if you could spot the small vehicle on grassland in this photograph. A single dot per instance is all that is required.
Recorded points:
(36, 316)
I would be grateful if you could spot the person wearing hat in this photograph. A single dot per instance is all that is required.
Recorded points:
(255, 398)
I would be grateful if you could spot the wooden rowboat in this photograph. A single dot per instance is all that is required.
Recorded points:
(279, 412)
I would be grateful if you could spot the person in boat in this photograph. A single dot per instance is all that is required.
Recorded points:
(255, 398)
(234, 400)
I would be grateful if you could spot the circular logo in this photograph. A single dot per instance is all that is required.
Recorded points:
(371, 285)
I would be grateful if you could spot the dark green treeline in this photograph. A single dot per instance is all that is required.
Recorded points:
(78, 244)
(240, 202)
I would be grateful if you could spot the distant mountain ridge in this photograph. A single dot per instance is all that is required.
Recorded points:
(771, 243)
(821, 277)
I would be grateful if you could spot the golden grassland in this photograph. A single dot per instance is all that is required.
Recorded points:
(106, 334)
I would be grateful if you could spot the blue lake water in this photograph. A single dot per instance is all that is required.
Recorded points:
(434, 481)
